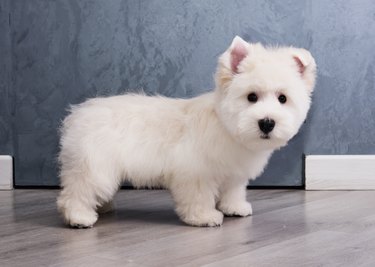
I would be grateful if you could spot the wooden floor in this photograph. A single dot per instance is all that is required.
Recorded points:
(288, 228)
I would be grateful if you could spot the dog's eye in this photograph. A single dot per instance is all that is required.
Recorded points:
(252, 97)
(282, 99)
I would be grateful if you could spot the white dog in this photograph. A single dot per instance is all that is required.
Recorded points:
(204, 149)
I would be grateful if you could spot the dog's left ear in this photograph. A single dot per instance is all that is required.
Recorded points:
(306, 66)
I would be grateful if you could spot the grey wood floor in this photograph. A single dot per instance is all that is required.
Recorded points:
(288, 228)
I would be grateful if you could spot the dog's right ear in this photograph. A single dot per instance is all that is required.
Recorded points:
(230, 61)
(239, 49)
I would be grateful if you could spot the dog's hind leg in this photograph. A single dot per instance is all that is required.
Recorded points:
(77, 203)
(84, 191)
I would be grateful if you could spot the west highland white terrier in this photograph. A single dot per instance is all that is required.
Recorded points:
(204, 149)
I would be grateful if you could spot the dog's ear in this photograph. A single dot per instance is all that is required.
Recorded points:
(238, 50)
(230, 61)
(306, 66)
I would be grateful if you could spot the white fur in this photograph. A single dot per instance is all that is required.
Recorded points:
(203, 149)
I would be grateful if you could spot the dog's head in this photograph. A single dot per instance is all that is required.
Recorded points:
(263, 94)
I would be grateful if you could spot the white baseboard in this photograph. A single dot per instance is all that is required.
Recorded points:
(6, 172)
(340, 172)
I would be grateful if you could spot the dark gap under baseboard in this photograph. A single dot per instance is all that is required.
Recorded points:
(129, 187)
(276, 187)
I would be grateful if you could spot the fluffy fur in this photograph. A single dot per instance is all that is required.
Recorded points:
(204, 149)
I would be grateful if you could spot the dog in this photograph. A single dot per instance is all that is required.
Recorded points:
(204, 149)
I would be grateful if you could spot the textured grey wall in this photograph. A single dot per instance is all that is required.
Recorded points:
(60, 52)
(6, 99)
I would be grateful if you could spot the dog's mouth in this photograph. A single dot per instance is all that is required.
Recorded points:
(265, 136)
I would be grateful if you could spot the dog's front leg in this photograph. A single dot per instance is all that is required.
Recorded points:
(233, 201)
(195, 203)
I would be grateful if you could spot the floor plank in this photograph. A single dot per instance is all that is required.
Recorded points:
(288, 228)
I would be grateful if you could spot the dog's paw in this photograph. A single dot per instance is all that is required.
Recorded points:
(241, 209)
(80, 226)
(209, 218)
(81, 219)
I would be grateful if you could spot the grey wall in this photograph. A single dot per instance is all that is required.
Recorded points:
(6, 98)
(54, 53)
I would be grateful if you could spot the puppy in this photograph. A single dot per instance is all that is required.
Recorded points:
(204, 149)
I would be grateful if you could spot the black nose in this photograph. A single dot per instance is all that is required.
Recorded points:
(266, 125)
